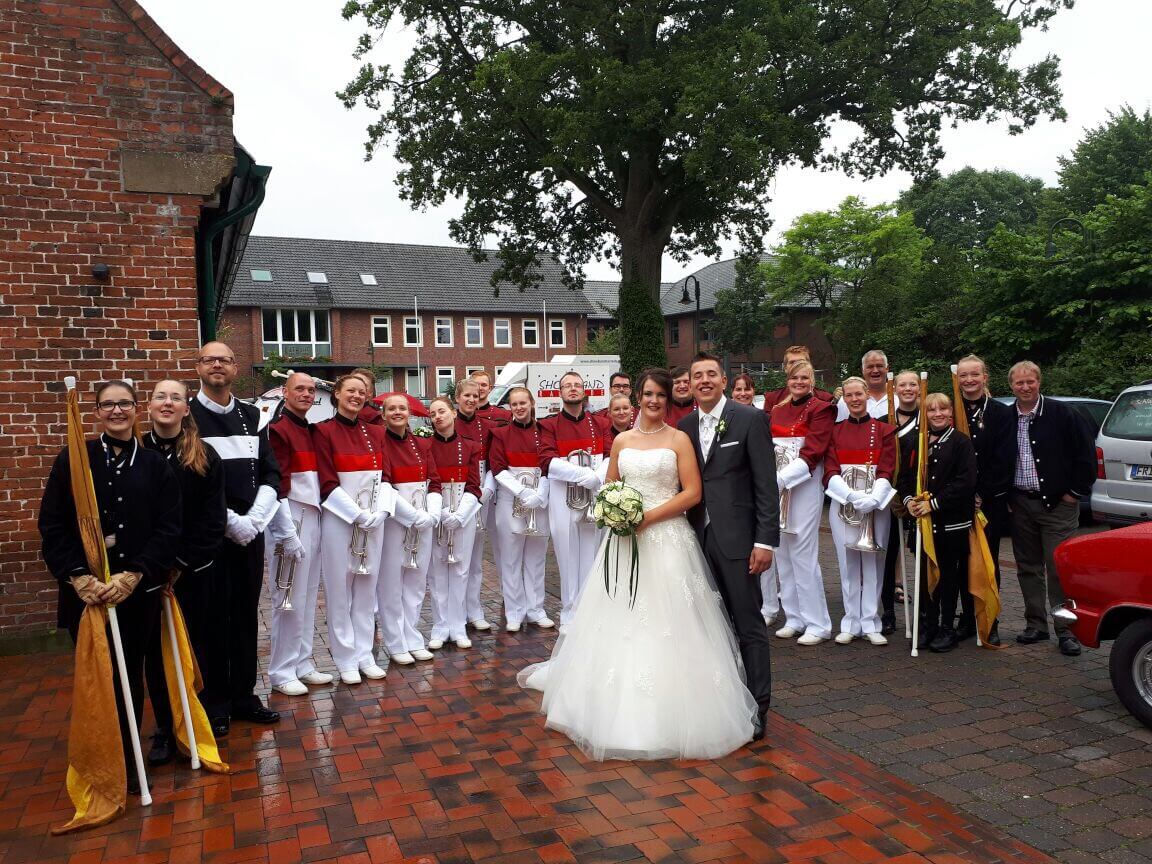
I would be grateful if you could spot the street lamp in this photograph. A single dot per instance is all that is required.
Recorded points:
(1050, 246)
(685, 299)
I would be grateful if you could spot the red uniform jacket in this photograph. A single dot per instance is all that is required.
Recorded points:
(862, 442)
(494, 413)
(677, 411)
(515, 446)
(371, 415)
(773, 397)
(457, 461)
(411, 460)
(348, 447)
(560, 434)
(811, 419)
(477, 428)
(291, 440)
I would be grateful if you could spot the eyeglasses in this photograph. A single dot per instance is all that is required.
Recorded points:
(109, 405)
(174, 398)
(212, 360)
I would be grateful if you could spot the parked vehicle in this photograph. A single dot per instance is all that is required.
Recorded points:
(543, 379)
(1107, 582)
(1123, 491)
(269, 403)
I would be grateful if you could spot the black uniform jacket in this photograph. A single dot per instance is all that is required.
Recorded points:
(992, 426)
(950, 480)
(205, 514)
(140, 506)
(1063, 451)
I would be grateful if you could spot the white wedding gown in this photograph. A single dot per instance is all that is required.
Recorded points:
(659, 680)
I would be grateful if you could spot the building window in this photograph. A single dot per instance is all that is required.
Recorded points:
(445, 380)
(317, 278)
(413, 331)
(502, 333)
(382, 330)
(367, 279)
(296, 332)
(499, 371)
(261, 275)
(473, 333)
(556, 333)
(443, 332)
(468, 370)
(414, 382)
(530, 333)
(674, 333)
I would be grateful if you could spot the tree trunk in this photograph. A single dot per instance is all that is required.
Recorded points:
(641, 321)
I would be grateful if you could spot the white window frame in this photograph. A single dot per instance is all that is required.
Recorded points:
(673, 332)
(419, 376)
(479, 326)
(367, 279)
(499, 369)
(468, 370)
(440, 378)
(437, 323)
(497, 323)
(524, 322)
(297, 347)
(317, 277)
(419, 319)
(252, 273)
(563, 343)
(384, 321)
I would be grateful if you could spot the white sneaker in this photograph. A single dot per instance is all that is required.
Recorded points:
(787, 633)
(810, 639)
(350, 677)
(876, 638)
(422, 654)
(316, 678)
(545, 623)
(463, 642)
(512, 627)
(373, 672)
(291, 688)
(844, 638)
(405, 659)
(480, 624)
(435, 644)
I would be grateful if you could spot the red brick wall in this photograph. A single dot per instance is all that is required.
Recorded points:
(801, 327)
(78, 81)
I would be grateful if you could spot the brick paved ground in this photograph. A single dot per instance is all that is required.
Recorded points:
(872, 756)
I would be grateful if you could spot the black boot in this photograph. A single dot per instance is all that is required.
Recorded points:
(163, 747)
(888, 623)
(994, 634)
(944, 641)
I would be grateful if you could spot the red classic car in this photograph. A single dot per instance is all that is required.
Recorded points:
(1107, 581)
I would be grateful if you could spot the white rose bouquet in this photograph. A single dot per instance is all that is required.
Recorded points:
(620, 508)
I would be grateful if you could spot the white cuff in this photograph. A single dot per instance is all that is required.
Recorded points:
(794, 473)
(487, 485)
(602, 470)
(282, 525)
(469, 507)
(508, 480)
(883, 492)
(542, 490)
(561, 469)
(837, 489)
(341, 503)
(263, 507)
(404, 513)
(434, 503)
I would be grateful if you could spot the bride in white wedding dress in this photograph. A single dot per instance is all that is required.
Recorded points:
(660, 678)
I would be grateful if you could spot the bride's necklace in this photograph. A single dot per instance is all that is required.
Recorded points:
(644, 431)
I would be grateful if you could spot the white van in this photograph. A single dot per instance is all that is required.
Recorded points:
(1123, 491)
(323, 406)
(543, 379)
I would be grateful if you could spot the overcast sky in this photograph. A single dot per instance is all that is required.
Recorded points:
(284, 61)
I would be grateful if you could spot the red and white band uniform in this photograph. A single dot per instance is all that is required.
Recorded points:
(804, 428)
(291, 632)
(458, 464)
(355, 493)
(515, 454)
(479, 429)
(860, 443)
(400, 590)
(574, 540)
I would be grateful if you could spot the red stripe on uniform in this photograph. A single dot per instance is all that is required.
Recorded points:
(348, 462)
(452, 473)
(797, 430)
(409, 474)
(302, 460)
(569, 444)
(858, 457)
(523, 459)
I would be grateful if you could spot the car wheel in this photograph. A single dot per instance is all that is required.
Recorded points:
(1130, 666)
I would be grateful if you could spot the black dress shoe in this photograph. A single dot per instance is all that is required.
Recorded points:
(927, 634)
(163, 748)
(256, 714)
(944, 641)
(759, 725)
(1069, 646)
(888, 624)
(994, 634)
(1031, 635)
(220, 726)
(966, 630)
(134, 782)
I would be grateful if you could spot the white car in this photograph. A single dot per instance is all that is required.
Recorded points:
(1123, 491)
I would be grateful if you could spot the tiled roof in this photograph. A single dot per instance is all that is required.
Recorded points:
(444, 278)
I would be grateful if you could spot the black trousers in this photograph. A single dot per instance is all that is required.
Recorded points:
(999, 526)
(891, 559)
(743, 598)
(939, 610)
(192, 595)
(230, 663)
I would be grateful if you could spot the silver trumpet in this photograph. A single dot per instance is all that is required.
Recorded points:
(358, 543)
(576, 496)
(285, 581)
(482, 514)
(784, 455)
(411, 535)
(446, 537)
(519, 511)
(860, 478)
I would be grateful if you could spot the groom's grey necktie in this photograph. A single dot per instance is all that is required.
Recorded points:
(707, 433)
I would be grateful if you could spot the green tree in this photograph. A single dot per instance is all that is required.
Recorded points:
(743, 317)
(1108, 161)
(605, 342)
(626, 129)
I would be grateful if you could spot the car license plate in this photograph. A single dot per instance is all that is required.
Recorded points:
(1142, 472)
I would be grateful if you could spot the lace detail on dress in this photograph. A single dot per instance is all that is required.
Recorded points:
(653, 473)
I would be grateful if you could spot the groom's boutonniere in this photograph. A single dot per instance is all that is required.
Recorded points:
(721, 428)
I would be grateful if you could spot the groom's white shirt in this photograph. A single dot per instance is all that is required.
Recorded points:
(708, 441)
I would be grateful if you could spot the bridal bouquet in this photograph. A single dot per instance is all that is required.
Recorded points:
(620, 508)
(422, 431)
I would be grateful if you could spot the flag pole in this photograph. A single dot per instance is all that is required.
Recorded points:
(957, 408)
(420, 330)
(125, 691)
(899, 521)
(920, 461)
(178, 662)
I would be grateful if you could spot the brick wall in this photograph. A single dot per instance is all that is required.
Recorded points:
(81, 82)
(801, 327)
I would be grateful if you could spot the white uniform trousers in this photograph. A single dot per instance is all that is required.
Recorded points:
(349, 597)
(861, 573)
(400, 591)
(473, 609)
(448, 583)
(521, 561)
(798, 562)
(291, 633)
(770, 589)
(575, 543)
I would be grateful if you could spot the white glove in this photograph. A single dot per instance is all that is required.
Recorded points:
(451, 520)
(291, 547)
(485, 494)
(341, 503)
(405, 512)
(838, 490)
(510, 482)
(866, 504)
(793, 474)
(369, 520)
(883, 492)
(263, 508)
(592, 481)
(469, 507)
(560, 468)
(424, 520)
(434, 503)
(282, 526)
(856, 497)
(240, 529)
(532, 499)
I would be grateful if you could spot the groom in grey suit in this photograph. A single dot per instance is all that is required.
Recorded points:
(738, 518)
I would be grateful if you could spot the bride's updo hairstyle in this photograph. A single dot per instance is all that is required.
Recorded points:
(659, 377)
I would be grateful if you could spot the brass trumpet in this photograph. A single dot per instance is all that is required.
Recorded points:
(446, 537)
(358, 543)
(529, 481)
(577, 497)
(285, 582)
(784, 455)
(411, 535)
(860, 478)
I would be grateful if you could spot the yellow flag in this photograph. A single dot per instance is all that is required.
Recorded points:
(205, 742)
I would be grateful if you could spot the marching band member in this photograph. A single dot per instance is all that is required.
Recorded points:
(457, 462)
(743, 389)
(515, 454)
(860, 445)
(351, 463)
(621, 416)
(469, 424)
(906, 389)
(950, 481)
(574, 538)
(483, 409)
(369, 414)
(201, 476)
(140, 517)
(793, 354)
(874, 367)
(619, 384)
(400, 590)
(801, 428)
(251, 484)
(295, 535)
(681, 404)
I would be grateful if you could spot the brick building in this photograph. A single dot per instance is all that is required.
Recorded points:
(422, 316)
(124, 202)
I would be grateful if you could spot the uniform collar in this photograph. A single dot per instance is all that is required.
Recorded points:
(392, 434)
(583, 414)
(867, 418)
(302, 422)
(340, 418)
(467, 418)
(520, 425)
(216, 407)
(451, 437)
